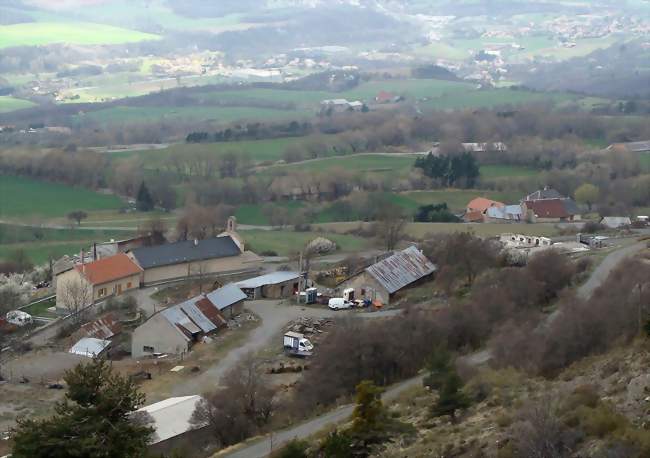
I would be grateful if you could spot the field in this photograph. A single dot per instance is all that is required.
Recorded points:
(257, 150)
(41, 252)
(8, 103)
(25, 198)
(79, 33)
(644, 160)
(388, 164)
(420, 230)
(123, 115)
(287, 243)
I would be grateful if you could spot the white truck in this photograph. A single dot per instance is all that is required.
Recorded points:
(295, 344)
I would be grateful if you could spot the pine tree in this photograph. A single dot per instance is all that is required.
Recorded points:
(450, 398)
(439, 367)
(94, 420)
(369, 411)
(144, 201)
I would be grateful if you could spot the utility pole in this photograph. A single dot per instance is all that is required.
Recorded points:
(300, 277)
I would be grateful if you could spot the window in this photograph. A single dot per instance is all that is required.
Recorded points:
(128, 285)
(148, 349)
(101, 292)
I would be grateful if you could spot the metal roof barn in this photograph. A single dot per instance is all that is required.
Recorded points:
(268, 279)
(226, 296)
(401, 269)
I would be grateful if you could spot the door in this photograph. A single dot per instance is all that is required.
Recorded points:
(119, 289)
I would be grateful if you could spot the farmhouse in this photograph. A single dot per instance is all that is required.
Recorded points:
(543, 194)
(340, 105)
(275, 285)
(87, 283)
(380, 281)
(175, 329)
(194, 258)
(173, 429)
(475, 211)
(387, 97)
(551, 210)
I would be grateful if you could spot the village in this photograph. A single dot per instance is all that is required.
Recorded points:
(175, 316)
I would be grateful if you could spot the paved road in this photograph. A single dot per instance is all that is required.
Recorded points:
(611, 261)
(263, 447)
(275, 316)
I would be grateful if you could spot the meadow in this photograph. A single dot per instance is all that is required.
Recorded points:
(289, 243)
(8, 103)
(76, 33)
(26, 198)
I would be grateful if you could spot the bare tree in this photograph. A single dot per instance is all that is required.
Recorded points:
(77, 216)
(243, 407)
(390, 226)
(76, 295)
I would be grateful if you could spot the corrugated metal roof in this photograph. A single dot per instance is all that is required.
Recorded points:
(401, 269)
(195, 314)
(103, 328)
(226, 296)
(186, 251)
(89, 347)
(269, 279)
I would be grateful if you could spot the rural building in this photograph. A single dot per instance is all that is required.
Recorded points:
(484, 147)
(632, 147)
(173, 429)
(387, 97)
(524, 241)
(113, 247)
(276, 285)
(340, 105)
(87, 283)
(174, 329)
(90, 347)
(551, 210)
(229, 300)
(380, 281)
(193, 259)
(102, 328)
(476, 209)
(506, 214)
(615, 222)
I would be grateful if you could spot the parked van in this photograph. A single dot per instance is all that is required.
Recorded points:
(338, 303)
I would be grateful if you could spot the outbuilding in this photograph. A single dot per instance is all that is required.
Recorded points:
(275, 285)
(616, 222)
(90, 347)
(380, 281)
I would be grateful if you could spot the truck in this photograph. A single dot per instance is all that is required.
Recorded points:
(295, 344)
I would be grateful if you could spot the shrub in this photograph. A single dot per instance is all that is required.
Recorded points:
(294, 449)
(600, 421)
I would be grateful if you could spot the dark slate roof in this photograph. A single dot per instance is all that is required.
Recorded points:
(571, 207)
(185, 251)
(401, 269)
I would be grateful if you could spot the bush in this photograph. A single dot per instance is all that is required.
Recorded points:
(294, 449)
(268, 253)
(600, 421)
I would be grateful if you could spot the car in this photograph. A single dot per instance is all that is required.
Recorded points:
(338, 303)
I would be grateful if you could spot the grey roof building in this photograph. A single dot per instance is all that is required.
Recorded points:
(381, 280)
(185, 251)
(543, 194)
(275, 285)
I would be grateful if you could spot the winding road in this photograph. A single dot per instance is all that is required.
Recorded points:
(263, 447)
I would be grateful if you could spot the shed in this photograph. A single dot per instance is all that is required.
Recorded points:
(229, 300)
(90, 347)
(275, 285)
(173, 429)
(615, 222)
(380, 281)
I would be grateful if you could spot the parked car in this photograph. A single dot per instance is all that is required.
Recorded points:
(338, 303)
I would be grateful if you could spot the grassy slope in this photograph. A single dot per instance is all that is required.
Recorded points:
(24, 197)
(8, 103)
(289, 243)
(81, 33)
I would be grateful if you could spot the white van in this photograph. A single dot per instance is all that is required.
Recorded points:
(337, 303)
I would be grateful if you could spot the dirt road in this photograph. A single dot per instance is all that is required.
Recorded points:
(264, 447)
(275, 316)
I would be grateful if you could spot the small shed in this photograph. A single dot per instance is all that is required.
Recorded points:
(228, 299)
(275, 285)
(90, 347)
(616, 222)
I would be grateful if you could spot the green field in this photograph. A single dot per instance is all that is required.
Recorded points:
(123, 115)
(24, 198)
(8, 103)
(287, 243)
(493, 97)
(388, 164)
(644, 160)
(79, 33)
(10, 233)
(43, 251)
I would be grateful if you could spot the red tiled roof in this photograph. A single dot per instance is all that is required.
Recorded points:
(481, 204)
(384, 96)
(548, 208)
(473, 217)
(108, 269)
(210, 311)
